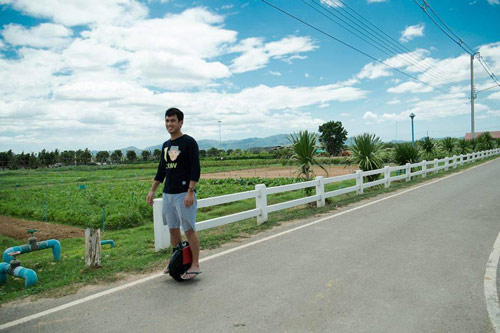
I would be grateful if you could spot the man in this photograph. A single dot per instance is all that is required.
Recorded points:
(180, 168)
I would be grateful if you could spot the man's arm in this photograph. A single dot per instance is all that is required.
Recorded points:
(151, 194)
(159, 177)
(194, 173)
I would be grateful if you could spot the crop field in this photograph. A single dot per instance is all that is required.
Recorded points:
(113, 197)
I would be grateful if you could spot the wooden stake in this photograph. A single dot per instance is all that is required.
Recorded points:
(93, 248)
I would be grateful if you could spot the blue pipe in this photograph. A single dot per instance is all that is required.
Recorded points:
(108, 241)
(27, 274)
(51, 243)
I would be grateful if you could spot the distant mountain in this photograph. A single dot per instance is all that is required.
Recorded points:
(270, 141)
(124, 151)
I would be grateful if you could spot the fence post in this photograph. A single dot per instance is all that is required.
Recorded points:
(424, 169)
(408, 172)
(461, 159)
(320, 190)
(446, 163)
(436, 164)
(454, 161)
(161, 232)
(359, 181)
(261, 203)
(387, 176)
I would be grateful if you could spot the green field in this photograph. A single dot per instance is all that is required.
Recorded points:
(134, 252)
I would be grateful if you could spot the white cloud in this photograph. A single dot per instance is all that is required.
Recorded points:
(344, 114)
(411, 32)
(410, 86)
(275, 73)
(289, 60)
(495, 95)
(370, 116)
(441, 106)
(82, 12)
(306, 74)
(373, 71)
(255, 54)
(494, 2)
(394, 101)
(43, 35)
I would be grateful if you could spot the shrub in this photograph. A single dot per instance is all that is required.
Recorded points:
(366, 153)
(406, 153)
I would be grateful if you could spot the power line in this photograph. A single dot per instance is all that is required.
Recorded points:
(348, 45)
(396, 47)
(496, 86)
(459, 41)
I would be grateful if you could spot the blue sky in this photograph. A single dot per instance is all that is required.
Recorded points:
(100, 74)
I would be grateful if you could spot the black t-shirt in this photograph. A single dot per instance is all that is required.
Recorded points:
(179, 164)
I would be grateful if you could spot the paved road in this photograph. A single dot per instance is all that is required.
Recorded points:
(411, 263)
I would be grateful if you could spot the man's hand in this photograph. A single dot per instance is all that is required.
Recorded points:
(150, 197)
(189, 199)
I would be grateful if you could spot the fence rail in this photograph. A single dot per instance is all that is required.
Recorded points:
(262, 209)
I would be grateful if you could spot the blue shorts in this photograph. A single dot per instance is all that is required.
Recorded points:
(174, 213)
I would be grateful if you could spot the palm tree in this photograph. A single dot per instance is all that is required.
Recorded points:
(428, 147)
(304, 153)
(463, 146)
(448, 144)
(406, 153)
(366, 153)
(485, 141)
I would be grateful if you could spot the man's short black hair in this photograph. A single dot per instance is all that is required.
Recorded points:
(174, 112)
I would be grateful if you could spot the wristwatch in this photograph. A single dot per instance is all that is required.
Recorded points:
(192, 189)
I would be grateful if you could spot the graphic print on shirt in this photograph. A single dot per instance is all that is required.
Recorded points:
(173, 153)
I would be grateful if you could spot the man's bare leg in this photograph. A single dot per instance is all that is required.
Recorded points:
(175, 238)
(194, 244)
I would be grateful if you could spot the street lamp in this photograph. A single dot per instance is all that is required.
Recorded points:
(412, 115)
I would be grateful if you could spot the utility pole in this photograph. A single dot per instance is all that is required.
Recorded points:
(220, 137)
(396, 131)
(472, 97)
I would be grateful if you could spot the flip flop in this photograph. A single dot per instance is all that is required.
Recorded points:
(193, 273)
(166, 270)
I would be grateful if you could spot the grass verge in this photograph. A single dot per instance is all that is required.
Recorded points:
(134, 250)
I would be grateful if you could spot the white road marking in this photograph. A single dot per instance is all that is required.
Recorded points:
(490, 286)
(156, 275)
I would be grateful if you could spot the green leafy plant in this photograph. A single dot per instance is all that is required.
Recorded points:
(463, 146)
(448, 144)
(366, 153)
(485, 141)
(428, 147)
(304, 153)
(406, 153)
(333, 136)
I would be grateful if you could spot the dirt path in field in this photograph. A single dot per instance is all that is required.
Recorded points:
(16, 228)
(275, 172)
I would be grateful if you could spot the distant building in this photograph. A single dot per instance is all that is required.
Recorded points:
(494, 134)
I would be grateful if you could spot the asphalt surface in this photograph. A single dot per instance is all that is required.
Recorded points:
(411, 263)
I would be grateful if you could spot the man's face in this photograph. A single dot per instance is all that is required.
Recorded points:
(172, 124)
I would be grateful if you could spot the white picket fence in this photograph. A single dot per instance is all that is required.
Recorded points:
(262, 209)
